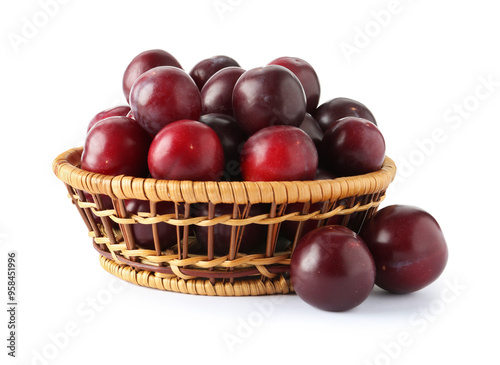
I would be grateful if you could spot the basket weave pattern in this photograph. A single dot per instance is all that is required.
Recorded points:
(182, 267)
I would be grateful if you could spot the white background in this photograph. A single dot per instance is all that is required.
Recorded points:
(416, 69)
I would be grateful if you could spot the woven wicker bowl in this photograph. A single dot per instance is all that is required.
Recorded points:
(182, 268)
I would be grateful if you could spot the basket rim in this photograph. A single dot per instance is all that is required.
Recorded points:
(65, 167)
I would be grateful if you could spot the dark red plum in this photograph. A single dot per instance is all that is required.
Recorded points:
(206, 68)
(117, 146)
(217, 93)
(279, 153)
(335, 109)
(353, 146)
(268, 96)
(117, 111)
(186, 150)
(307, 77)
(164, 95)
(408, 247)
(143, 62)
(332, 269)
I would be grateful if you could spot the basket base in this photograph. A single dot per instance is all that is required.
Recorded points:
(240, 287)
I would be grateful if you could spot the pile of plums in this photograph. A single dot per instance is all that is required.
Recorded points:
(222, 122)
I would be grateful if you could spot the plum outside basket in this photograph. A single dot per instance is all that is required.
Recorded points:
(182, 267)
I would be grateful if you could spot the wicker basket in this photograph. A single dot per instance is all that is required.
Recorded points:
(182, 267)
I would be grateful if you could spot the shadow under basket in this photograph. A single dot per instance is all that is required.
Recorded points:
(186, 266)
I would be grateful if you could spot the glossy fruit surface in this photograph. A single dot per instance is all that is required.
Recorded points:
(217, 93)
(164, 95)
(117, 111)
(204, 69)
(279, 153)
(232, 139)
(143, 233)
(353, 146)
(268, 96)
(116, 146)
(335, 109)
(332, 269)
(307, 77)
(186, 150)
(143, 62)
(253, 237)
(408, 247)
